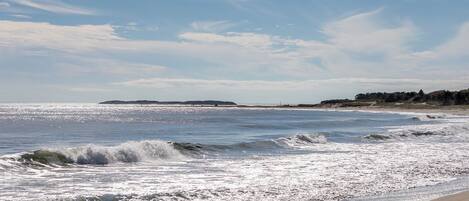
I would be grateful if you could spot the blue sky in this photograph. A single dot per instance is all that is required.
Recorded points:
(247, 51)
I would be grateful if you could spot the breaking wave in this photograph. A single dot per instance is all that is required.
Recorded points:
(445, 132)
(150, 150)
(295, 141)
(126, 152)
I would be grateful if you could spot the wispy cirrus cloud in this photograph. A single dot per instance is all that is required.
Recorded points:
(212, 26)
(21, 16)
(359, 42)
(134, 26)
(456, 46)
(242, 39)
(21, 35)
(54, 6)
(4, 5)
(364, 32)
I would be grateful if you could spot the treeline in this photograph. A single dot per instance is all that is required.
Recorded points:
(336, 101)
(442, 97)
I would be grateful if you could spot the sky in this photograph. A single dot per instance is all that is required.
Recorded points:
(247, 51)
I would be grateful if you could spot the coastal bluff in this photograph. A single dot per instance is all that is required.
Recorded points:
(153, 102)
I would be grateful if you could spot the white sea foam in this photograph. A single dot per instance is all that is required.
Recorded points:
(127, 152)
(452, 130)
(333, 171)
(328, 171)
(301, 140)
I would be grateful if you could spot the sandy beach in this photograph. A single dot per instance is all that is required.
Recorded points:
(463, 196)
(463, 111)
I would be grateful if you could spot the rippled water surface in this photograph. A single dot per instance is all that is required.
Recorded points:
(133, 152)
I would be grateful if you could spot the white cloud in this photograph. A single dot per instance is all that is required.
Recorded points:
(250, 85)
(242, 39)
(4, 5)
(212, 26)
(359, 42)
(231, 50)
(347, 38)
(65, 38)
(21, 16)
(54, 7)
(364, 33)
(134, 26)
(457, 46)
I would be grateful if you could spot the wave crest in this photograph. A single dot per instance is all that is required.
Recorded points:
(295, 141)
(100, 155)
(450, 132)
(302, 140)
(151, 150)
(127, 152)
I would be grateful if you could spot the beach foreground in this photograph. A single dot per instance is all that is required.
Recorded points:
(458, 111)
(463, 196)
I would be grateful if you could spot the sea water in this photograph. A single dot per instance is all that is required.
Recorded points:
(155, 152)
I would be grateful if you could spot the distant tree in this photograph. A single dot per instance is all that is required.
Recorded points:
(447, 98)
(442, 97)
(336, 101)
(421, 94)
(461, 97)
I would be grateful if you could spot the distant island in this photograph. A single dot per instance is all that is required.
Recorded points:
(195, 102)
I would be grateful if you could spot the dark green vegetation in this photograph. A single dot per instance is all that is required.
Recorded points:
(336, 101)
(204, 102)
(442, 97)
(46, 158)
(411, 100)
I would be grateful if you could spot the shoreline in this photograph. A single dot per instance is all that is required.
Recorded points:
(452, 110)
(461, 110)
(461, 196)
(448, 110)
(445, 110)
(458, 111)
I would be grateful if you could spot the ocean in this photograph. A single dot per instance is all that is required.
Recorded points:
(156, 152)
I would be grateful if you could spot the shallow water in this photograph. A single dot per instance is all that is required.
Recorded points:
(130, 152)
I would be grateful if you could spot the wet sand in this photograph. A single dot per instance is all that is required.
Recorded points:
(463, 196)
